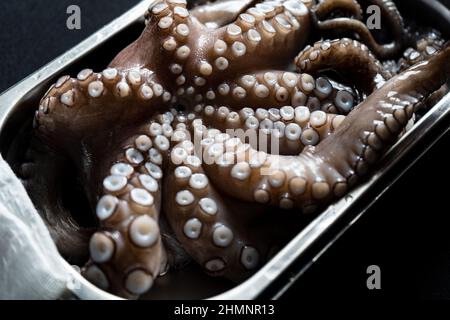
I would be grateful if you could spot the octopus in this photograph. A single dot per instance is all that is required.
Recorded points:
(210, 134)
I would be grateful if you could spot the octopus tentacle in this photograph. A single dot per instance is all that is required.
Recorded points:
(327, 7)
(124, 260)
(287, 129)
(272, 88)
(276, 30)
(112, 95)
(286, 184)
(208, 224)
(127, 252)
(394, 19)
(348, 57)
(316, 176)
(125, 97)
(426, 45)
(218, 14)
(44, 175)
(162, 142)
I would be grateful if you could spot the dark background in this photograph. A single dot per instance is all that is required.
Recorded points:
(407, 233)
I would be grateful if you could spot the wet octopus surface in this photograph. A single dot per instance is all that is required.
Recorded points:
(195, 134)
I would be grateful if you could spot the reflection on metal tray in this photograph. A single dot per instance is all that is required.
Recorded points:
(17, 107)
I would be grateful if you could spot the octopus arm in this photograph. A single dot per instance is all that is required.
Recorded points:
(324, 172)
(213, 228)
(349, 58)
(388, 10)
(274, 88)
(220, 13)
(167, 186)
(127, 253)
(46, 175)
(327, 7)
(274, 32)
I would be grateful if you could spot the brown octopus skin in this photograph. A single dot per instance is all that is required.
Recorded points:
(218, 223)
(114, 127)
(113, 90)
(349, 57)
(218, 14)
(197, 54)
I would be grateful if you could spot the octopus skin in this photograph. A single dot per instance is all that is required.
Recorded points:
(149, 137)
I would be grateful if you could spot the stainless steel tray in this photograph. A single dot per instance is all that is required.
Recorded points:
(17, 106)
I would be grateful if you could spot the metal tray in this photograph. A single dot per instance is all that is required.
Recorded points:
(17, 106)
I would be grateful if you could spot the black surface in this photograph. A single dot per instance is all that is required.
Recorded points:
(407, 233)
